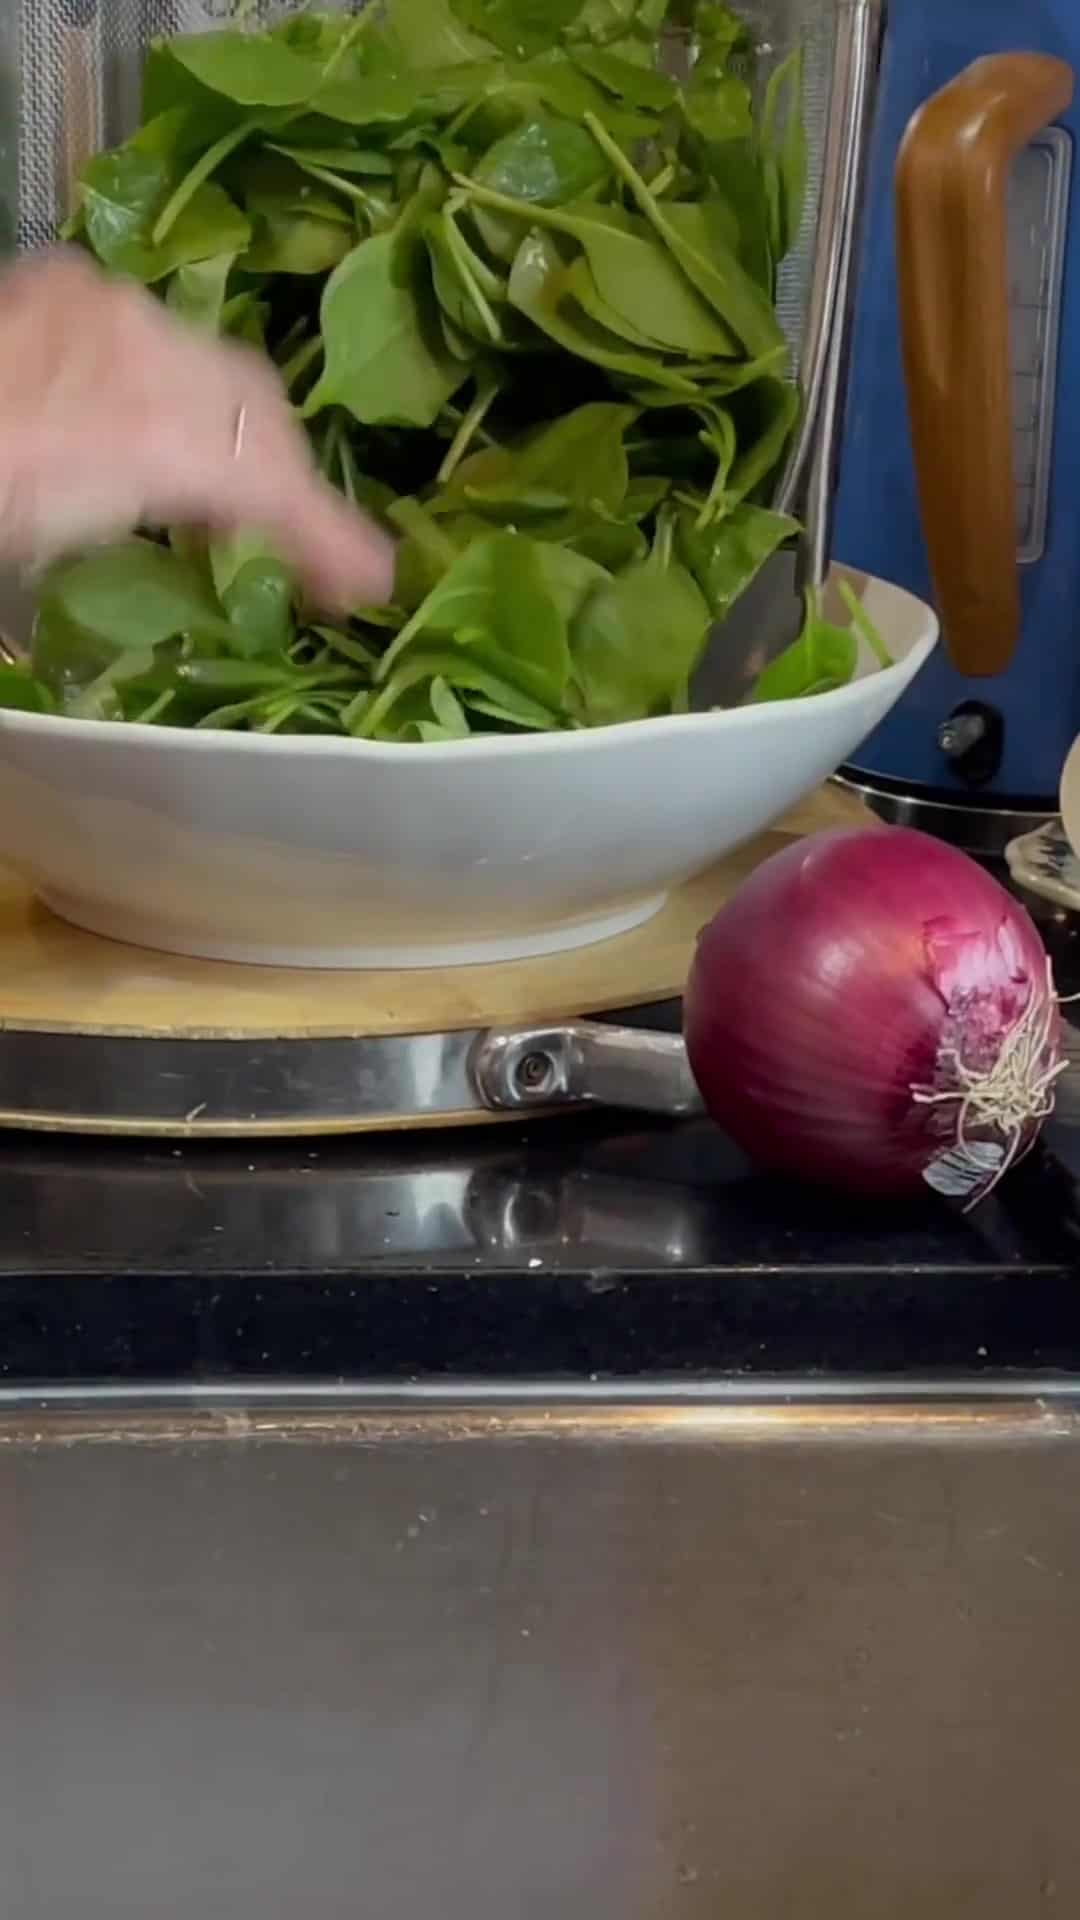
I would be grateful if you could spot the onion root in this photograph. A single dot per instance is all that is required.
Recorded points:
(1010, 1098)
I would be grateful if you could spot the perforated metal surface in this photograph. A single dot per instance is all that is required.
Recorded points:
(78, 65)
(779, 26)
(75, 65)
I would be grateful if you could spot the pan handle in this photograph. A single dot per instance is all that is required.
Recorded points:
(952, 179)
(584, 1063)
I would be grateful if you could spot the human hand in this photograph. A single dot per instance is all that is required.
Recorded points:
(113, 416)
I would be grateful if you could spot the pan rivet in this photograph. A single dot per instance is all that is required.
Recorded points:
(535, 1073)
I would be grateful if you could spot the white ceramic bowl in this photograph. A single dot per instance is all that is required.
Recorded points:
(336, 853)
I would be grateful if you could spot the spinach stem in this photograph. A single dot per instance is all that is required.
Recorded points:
(467, 431)
(460, 253)
(863, 624)
(197, 176)
(300, 361)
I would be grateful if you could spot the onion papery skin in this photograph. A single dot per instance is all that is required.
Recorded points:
(846, 973)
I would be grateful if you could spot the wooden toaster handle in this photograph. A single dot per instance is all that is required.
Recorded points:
(952, 178)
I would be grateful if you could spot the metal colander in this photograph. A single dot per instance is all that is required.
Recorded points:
(71, 74)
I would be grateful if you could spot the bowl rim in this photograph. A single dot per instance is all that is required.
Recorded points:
(492, 746)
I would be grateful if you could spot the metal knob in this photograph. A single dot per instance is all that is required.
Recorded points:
(972, 739)
(960, 732)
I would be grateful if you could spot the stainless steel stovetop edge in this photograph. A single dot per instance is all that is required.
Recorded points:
(522, 1400)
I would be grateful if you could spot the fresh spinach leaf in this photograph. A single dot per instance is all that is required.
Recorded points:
(370, 717)
(553, 80)
(726, 556)
(245, 317)
(256, 591)
(448, 710)
(197, 293)
(737, 299)
(123, 192)
(384, 362)
(21, 693)
(197, 177)
(472, 297)
(785, 154)
(583, 290)
(122, 689)
(252, 69)
(720, 439)
(629, 80)
(539, 290)
(863, 624)
(634, 274)
(63, 657)
(823, 658)
(131, 595)
(723, 38)
(611, 544)
(168, 88)
(409, 725)
(356, 194)
(519, 27)
(428, 33)
(620, 23)
(351, 77)
(765, 413)
(425, 553)
(363, 162)
(720, 109)
(314, 32)
(494, 603)
(638, 640)
(296, 227)
(380, 101)
(544, 162)
(580, 459)
(736, 175)
(709, 225)
(640, 281)
(290, 242)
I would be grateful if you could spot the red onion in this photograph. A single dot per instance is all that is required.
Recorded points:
(873, 1010)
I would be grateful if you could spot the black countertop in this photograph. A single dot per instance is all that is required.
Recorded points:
(569, 1250)
(573, 1248)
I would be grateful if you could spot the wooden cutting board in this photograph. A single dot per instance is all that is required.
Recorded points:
(56, 979)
